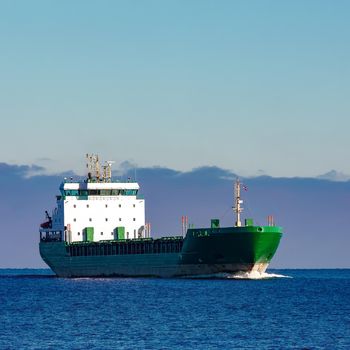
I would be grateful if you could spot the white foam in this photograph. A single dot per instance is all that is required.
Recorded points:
(253, 275)
(256, 275)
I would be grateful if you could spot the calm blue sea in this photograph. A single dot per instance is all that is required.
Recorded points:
(309, 309)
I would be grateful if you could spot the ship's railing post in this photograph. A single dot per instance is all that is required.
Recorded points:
(270, 220)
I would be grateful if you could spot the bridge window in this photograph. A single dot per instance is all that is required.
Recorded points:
(129, 192)
(93, 192)
(105, 192)
(71, 193)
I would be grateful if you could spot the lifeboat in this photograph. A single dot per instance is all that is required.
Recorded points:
(46, 224)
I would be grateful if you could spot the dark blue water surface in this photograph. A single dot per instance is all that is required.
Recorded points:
(310, 310)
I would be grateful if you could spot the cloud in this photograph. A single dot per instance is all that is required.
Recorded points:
(313, 212)
(334, 175)
(209, 173)
(9, 171)
(197, 175)
(127, 165)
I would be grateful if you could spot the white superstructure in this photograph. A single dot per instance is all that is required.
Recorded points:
(97, 209)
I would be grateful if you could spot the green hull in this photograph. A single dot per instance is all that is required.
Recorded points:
(204, 252)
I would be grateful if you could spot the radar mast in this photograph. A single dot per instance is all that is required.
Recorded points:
(107, 171)
(237, 202)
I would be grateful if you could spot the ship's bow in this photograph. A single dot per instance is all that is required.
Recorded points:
(230, 249)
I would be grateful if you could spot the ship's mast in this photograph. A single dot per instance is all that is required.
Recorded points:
(94, 171)
(93, 167)
(107, 171)
(237, 202)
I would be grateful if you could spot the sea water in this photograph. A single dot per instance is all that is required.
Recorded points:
(283, 309)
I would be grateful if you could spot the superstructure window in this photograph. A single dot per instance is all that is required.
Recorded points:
(128, 192)
(133, 219)
(101, 233)
(134, 205)
(109, 192)
(74, 206)
(71, 193)
(90, 219)
(120, 205)
(106, 219)
(78, 233)
(74, 219)
(103, 192)
(87, 205)
(120, 219)
(106, 205)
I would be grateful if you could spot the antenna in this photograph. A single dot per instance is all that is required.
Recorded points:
(97, 168)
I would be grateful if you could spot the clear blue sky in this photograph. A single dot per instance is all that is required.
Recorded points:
(244, 85)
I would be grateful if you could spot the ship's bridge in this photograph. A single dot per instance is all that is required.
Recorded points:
(99, 188)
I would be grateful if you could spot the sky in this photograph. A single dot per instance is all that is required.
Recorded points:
(254, 87)
(189, 93)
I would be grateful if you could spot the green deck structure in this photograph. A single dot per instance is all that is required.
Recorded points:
(88, 234)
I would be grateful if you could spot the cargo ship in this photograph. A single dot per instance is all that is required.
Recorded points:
(98, 229)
